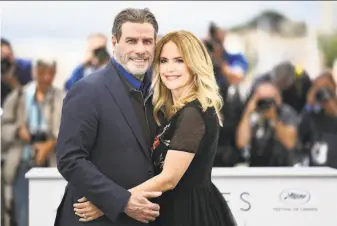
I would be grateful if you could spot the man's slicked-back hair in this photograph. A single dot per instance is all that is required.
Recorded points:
(134, 16)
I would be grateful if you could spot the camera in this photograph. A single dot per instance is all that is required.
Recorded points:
(5, 65)
(38, 136)
(264, 104)
(101, 54)
(323, 94)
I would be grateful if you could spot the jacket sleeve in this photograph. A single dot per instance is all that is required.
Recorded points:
(9, 118)
(75, 76)
(59, 96)
(76, 138)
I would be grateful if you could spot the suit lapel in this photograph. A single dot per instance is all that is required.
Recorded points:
(117, 89)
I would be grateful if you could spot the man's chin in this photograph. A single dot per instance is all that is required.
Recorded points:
(138, 71)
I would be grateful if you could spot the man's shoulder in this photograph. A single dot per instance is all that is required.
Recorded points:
(88, 86)
(99, 75)
(92, 84)
(94, 79)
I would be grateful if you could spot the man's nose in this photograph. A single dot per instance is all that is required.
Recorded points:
(140, 48)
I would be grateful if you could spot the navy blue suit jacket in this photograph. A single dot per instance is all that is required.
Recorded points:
(101, 151)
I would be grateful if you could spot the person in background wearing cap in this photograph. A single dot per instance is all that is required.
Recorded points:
(96, 56)
(293, 82)
(30, 124)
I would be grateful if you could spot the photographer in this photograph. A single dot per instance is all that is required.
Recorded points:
(318, 128)
(14, 72)
(293, 81)
(268, 128)
(227, 154)
(234, 66)
(215, 51)
(30, 124)
(96, 57)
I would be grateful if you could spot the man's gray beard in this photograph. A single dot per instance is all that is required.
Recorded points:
(120, 59)
(140, 77)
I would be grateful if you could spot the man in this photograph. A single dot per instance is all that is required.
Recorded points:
(14, 72)
(30, 124)
(293, 82)
(92, 61)
(227, 155)
(107, 127)
(233, 65)
(318, 126)
(268, 128)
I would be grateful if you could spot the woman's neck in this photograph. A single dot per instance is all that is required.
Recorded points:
(175, 97)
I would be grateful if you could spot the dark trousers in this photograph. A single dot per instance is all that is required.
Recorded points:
(20, 194)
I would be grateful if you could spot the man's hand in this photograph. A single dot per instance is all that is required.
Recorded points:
(331, 106)
(140, 208)
(42, 150)
(251, 106)
(23, 134)
(10, 79)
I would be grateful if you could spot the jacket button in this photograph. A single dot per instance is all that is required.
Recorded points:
(150, 172)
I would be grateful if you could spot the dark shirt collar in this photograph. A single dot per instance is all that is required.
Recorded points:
(132, 82)
(135, 83)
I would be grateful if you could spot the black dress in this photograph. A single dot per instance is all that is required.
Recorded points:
(195, 201)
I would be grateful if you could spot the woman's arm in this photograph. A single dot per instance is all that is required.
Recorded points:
(184, 145)
(175, 166)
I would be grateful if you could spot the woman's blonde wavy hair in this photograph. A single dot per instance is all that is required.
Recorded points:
(203, 85)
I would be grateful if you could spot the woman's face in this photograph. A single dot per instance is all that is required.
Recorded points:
(172, 69)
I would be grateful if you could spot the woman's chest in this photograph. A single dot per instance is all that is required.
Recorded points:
(161, 144)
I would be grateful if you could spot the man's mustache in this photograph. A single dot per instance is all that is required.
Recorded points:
(140, 56)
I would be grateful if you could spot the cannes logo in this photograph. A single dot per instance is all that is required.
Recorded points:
(295, 196)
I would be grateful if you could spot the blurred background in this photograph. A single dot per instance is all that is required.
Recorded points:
(266, 31)
(289, 44)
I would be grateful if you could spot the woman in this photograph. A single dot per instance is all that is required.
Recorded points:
(186, 103)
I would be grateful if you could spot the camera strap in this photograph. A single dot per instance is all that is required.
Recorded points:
(39, 115)
(39, 107)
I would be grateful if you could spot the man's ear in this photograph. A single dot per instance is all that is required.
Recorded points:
(114, 41)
